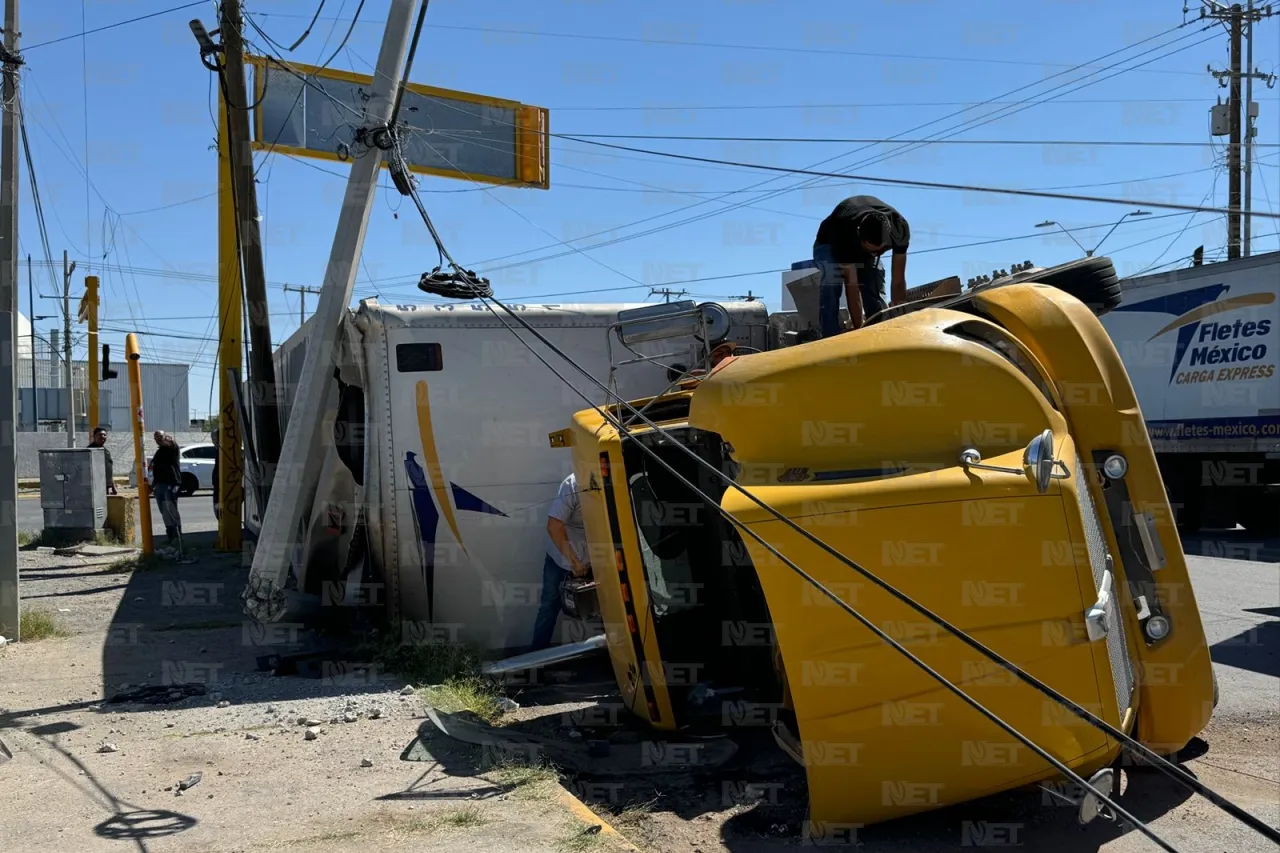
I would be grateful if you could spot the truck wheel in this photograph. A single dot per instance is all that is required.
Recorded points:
(189, 485)
(1215, 689)
(1091, 280)
(1261, 517)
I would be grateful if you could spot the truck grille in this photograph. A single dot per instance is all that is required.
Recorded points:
(1117, 647)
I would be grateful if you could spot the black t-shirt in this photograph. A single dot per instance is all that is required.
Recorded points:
(840, 229)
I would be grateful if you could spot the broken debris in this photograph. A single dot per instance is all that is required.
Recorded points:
(366, 762)
(312, 733)
(108, 746)
(191, 781)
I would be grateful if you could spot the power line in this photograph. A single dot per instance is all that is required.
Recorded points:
(904, 182)
(857, 106)
(803, 184)
(839, 140)
(84, 33)
(739, 47)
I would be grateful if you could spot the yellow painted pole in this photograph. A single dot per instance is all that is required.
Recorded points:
(139, 460)
(230, 348)
(90, 309)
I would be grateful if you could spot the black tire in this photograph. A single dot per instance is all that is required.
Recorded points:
(189, 485)
(1091, 280)
(1215, 688)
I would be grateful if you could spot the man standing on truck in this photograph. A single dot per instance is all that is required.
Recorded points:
(566, 553)
(847, 252)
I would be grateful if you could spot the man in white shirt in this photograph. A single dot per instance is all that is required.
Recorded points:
(566, 553)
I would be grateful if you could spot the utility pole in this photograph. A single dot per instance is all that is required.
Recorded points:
(302, 299)
(9, 603)
(266, 420)
(301, 457)
(666, 293)
(68, 369)
(35, 384)
(1240, 116)
(89, 313)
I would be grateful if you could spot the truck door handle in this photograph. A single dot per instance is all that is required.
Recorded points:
(1095, 618)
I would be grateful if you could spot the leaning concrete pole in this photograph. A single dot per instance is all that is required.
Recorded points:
(303, 451)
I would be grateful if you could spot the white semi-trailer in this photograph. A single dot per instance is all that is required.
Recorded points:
(1200, 345)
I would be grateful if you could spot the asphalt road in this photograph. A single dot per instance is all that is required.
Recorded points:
(196, 512)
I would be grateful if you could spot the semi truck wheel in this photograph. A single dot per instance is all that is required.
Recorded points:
(1091, 280)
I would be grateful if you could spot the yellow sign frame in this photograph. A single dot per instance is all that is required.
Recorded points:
(532, 128)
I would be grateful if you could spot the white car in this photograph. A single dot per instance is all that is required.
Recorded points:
(196, 467)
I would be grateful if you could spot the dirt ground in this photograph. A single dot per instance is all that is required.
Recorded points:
(265, 786)
(90, 774)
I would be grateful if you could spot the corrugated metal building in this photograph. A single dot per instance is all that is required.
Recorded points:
(165, 395)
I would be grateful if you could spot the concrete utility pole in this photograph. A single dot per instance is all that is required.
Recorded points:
(9, 608)
(264, 399)
(1233, 143)
(303, 454)
(35, 383)
(302, 299)
(67, 368)
(1240, 119)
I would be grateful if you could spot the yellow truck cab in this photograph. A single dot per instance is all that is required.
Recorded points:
(982, 453)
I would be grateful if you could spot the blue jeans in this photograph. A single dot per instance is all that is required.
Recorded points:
(544, 626)
(831, 288)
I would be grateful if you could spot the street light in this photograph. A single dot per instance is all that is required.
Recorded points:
(1089, 252)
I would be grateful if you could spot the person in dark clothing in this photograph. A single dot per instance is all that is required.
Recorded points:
(166, 478)
(847, 251)
(100, 440)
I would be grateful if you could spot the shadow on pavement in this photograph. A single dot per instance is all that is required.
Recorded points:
(127, 821)
(1232, 545)
(1256, 649)
(179, 632)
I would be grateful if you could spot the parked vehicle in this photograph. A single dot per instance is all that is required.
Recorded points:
(196, 467)
(1200, 345)
(945, 451)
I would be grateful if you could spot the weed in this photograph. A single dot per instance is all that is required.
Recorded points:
(38, 625)
(107, 537)
(425, 663)
(465, 693)
(28, 538)
(634, 815)
(577, 838)
(525, 780)
(137, 563)
(463, 817)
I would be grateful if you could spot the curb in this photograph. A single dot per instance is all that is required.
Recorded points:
(583, 812)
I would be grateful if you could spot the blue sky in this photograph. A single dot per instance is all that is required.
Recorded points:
(747, 68)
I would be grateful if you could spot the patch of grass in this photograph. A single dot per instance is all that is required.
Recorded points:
(633, 815)
(463, 817)
(527, 781)
(137, 563)
(426, 662)
(466, 693)
(37, 625)
(107, 537)
(326, 836)
(28, 538)
(577, 838)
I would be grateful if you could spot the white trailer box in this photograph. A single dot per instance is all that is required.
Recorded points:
(1200, 345)
(433, 498)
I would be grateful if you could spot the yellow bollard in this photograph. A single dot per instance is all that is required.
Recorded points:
(139, 461)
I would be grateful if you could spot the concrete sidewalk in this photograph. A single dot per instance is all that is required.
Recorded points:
(87, 774)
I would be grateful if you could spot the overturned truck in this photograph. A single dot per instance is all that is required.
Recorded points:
(897, 537)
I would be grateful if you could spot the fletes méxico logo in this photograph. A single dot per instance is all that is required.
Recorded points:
(1203, 340)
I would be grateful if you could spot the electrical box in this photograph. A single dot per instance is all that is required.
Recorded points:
(73, 488)
(1219, 120)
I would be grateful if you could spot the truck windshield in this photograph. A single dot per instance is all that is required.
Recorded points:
(664, 540)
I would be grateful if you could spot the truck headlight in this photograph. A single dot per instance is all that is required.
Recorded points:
(1115, 466)
(1157, 628)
